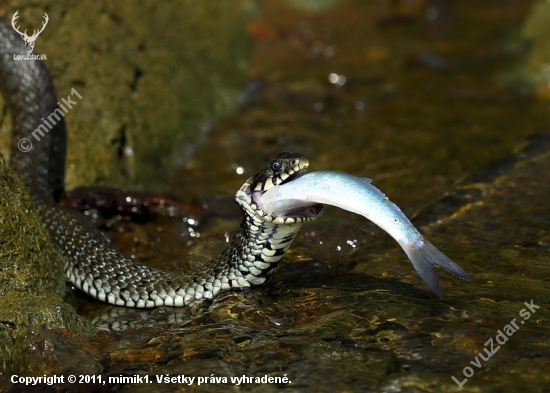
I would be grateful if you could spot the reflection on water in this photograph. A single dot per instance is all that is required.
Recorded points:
(409, 97)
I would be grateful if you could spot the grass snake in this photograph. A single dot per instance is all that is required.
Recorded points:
(90, 263)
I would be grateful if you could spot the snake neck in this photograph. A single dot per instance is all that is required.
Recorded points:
(256, 249)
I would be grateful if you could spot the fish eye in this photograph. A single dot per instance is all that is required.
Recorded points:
(276, 166)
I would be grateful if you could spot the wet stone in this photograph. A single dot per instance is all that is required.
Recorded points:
(32, 286)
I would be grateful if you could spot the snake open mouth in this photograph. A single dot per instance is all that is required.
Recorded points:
(267, 202)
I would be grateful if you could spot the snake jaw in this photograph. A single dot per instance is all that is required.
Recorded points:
(284, 169)
(291, 216)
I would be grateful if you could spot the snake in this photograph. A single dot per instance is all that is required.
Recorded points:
(90, 262)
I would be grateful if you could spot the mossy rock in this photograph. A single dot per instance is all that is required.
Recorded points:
(152, 77)
(32, 286)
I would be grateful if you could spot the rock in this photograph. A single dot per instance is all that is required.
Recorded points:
(38, 331)
(152, 76)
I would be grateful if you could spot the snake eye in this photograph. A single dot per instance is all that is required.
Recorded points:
(276, 166)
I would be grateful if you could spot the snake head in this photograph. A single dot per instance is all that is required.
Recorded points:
(283, 169)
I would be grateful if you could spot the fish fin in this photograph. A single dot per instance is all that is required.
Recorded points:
(426, 257)
(366, 180)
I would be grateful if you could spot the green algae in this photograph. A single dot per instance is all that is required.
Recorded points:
(32, 286)
(29, 262)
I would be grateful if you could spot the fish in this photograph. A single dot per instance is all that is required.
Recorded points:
(358, 195)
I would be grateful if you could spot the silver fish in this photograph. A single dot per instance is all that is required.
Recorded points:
(358, 195)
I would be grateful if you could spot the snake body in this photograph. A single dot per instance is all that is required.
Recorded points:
(90, 262)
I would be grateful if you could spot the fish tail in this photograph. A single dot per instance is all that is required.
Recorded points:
(425, 258)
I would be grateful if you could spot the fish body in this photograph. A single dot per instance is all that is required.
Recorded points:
(358, 195)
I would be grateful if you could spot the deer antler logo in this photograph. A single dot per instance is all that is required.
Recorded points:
(29, 41)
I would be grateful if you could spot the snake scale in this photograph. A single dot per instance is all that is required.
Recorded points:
(90, 263)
